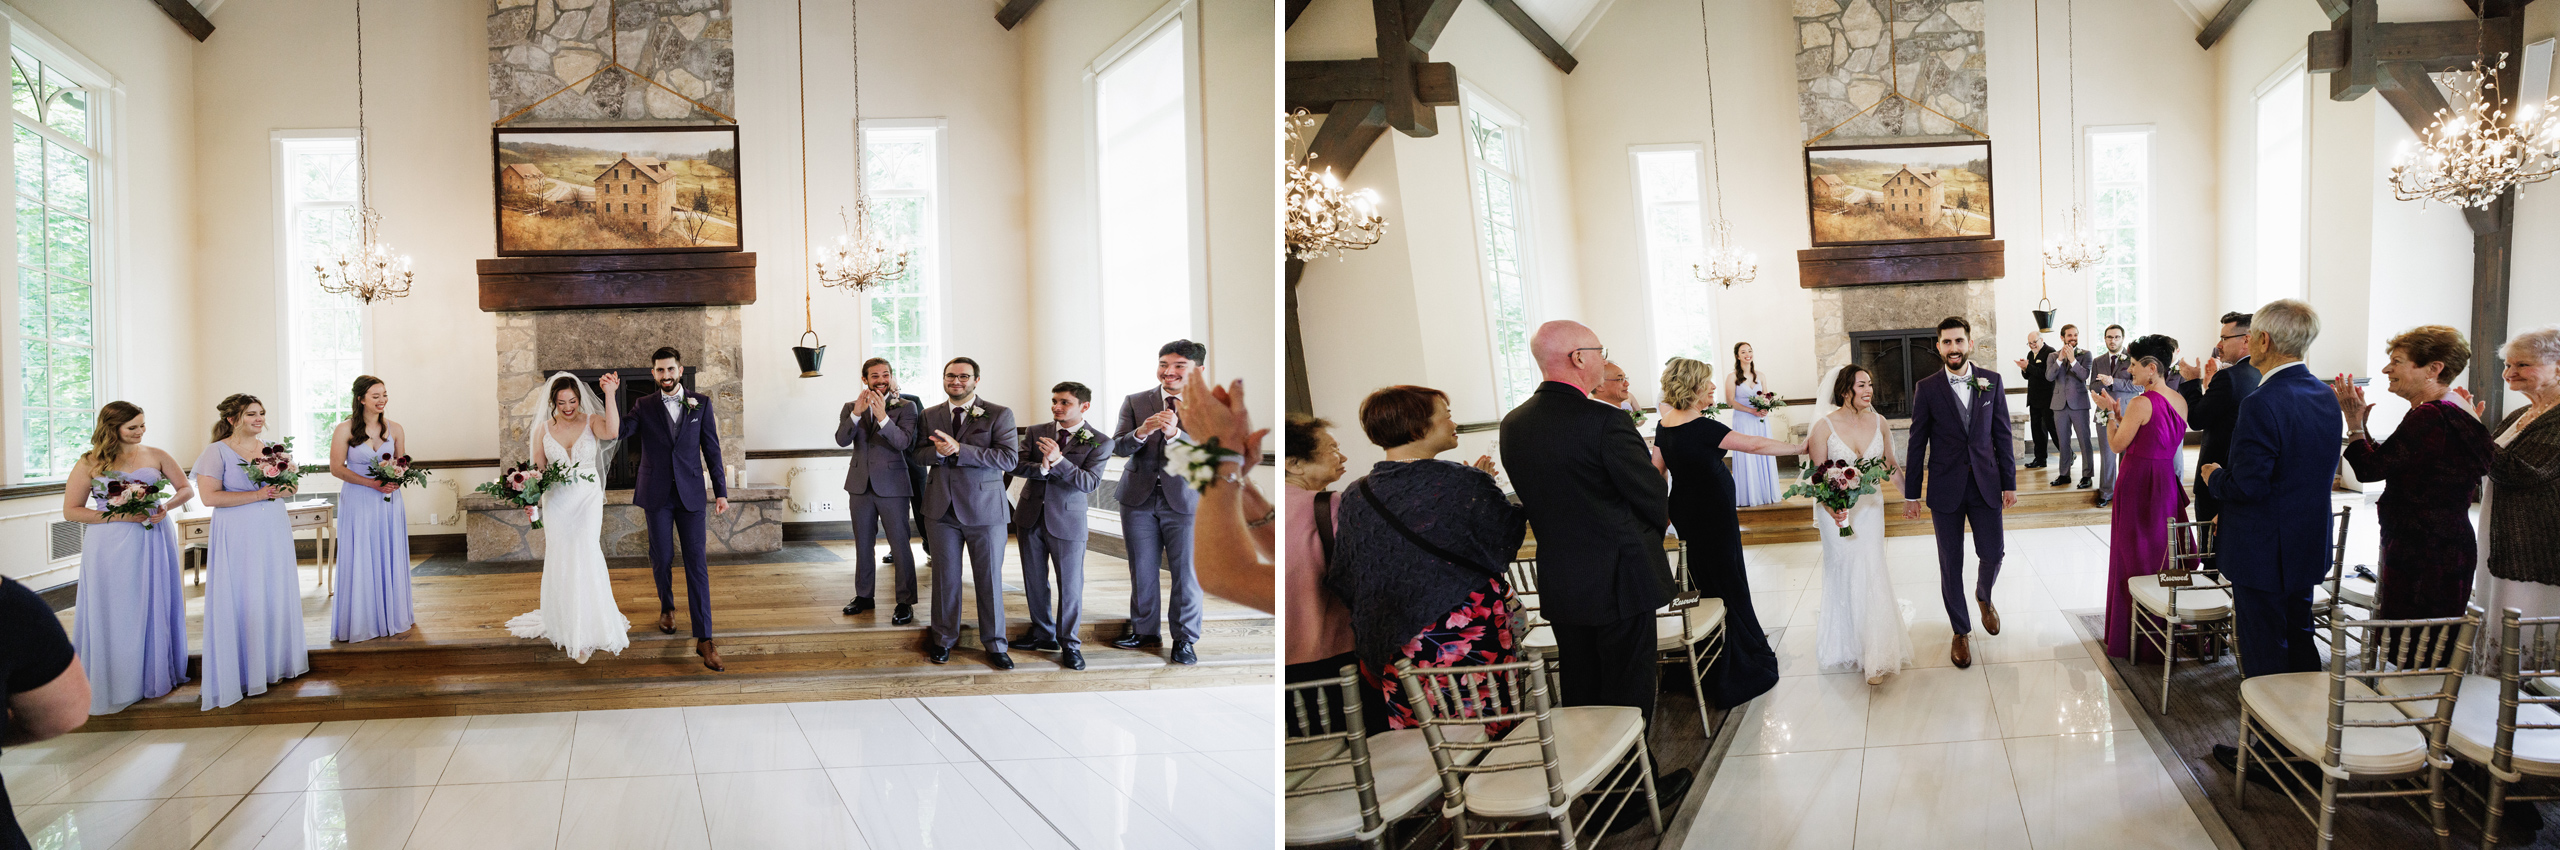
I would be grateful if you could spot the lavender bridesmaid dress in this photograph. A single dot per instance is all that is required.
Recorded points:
(1755, 477)
(131, 624)
(252, 592)
(373, 557)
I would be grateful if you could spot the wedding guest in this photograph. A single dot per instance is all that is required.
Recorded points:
(373, 521)
(1590, 487)
(253, 592)
(2433, 463)
(1693, 448)
(2067, 369)
(970, 444)
(1061, 462)
(2520, 503)
(131, 623)
(2283, 463)
(41, 684)
(1615, 389)
(1234, 540)
(1424, 550)
(2111, 375)
(1157, 507)
(2214, 392)
(1755, 477)
(1319, 629)
(2034, 368)
(881, 426)
(2146, 429)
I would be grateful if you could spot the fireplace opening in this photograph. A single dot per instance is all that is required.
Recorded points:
(1896, 359)
(622, 468)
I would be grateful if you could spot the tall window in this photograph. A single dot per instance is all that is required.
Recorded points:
(1674, 239)
(1142, 122)
(1493, 177)
(2120, 183)
(318, 185)
(2283, 160)
(54, 142)
(902, 174)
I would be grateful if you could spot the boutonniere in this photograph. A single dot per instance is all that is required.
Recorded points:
(896, 402)
(1086, 437)
(1638, 416)
(975, 412)
(691, 403)
(1978, 383)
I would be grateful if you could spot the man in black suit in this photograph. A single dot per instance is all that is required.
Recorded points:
(1599, 506)
(2039, 394)
(2214, 393)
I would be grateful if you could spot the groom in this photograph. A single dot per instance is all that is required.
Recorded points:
(1963, 415)
(678, 440)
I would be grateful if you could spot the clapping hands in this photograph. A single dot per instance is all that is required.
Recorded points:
(2479, 409)
(1049, 453)
(1219, 412)
(2350, 400)
(1484, 464)
(943, 444)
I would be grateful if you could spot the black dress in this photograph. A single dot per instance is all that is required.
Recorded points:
(1702, 510)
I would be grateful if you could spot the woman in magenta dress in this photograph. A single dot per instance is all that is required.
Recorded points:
(2145, 431)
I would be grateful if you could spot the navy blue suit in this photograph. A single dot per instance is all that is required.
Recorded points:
(2284, 460)
(1974, 463)
(678, 456)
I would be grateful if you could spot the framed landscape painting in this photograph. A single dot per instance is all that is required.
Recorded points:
(616, 190)
(1880, 194)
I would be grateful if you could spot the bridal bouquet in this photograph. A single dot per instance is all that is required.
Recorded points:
(118, 496)
(524, 485)
(1838, 484)
(396, 472)
(274, 466)
(1764, 401)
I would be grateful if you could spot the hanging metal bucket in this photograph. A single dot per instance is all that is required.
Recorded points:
(809, 357)
(2045, 315)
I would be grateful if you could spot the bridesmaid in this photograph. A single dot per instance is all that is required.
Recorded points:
(253, 587)
(131, 623)
(2145, 431)
(373, 534)
(1755, 476)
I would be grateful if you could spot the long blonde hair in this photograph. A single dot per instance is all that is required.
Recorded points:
(1680, 379)
(106, 442)
(230, 407)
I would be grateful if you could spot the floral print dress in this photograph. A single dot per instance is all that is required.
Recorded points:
(1475, 632)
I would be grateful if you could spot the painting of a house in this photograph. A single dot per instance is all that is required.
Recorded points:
(1924, 192)
(617, 190)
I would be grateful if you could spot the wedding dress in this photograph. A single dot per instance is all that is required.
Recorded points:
(578, 612)
(1861, 625)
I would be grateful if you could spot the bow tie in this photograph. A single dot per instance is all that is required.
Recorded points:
(1954, 380)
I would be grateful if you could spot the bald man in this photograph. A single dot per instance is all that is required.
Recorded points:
(1599, 507)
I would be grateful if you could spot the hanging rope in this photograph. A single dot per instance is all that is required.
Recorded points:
(364, 140)
(800, 55)
(1715, 166)
(2043, 291)
(860, 197)
(2071, 94)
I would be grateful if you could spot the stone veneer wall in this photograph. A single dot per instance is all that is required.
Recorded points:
(1843, 310)
(536, 47)
(1841, 68)
(531, 345)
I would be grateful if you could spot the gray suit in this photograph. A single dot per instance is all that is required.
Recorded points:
(964, 509)
(1050, 525)
(2070, 377)
(2120, 368)
(1155, 519)
(881, 491)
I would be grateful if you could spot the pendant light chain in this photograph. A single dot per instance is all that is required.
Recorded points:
(1715, 166)
(860, 195)
(1724, 263)
(364, 138)
(800, 56)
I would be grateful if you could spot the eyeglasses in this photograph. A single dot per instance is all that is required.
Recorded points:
(958, 376)
(2235, 336)
(1604, 352)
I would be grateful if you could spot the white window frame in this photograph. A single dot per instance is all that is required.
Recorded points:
(282, 407)
(1644, 243)
(1195, 177)
(2146, 231)
(106, 247)
(1473, 99)
(937, 268)
(2294, 70)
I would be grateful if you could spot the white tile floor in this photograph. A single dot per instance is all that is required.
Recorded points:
(1147, 770)
(2034, 746)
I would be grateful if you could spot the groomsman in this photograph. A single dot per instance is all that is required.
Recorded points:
(1061, 463)
(970, 446)
(2068, 370)
(881, 427)
(915, 478)
(1156, 506)
(2111, 373)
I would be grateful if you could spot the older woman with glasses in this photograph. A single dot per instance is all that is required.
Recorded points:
(2520, 503)
(2433, 462)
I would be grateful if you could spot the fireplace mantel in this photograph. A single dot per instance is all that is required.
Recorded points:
(1907, 262)
(706, 279)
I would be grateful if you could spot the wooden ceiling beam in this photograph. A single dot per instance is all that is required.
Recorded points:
(1396, 58)
(1537, 36)
(1295, 8)
(1346, 135)
(1316, 85)
(2435, 45)
(2357, 31)
(1014, 11)
(2335, 9)
(188, 18)
(2222, 22)
(1428, 18)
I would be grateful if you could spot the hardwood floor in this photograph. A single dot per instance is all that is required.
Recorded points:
(779, 632)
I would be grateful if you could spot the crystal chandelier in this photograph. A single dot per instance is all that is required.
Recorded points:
(1727, 264)
(859, 258)
(1322, 218)
(2473, 151)
(368, 270)
(2078, 246)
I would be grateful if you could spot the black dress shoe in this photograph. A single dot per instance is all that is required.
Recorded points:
(2063, 480)
(938, 654)
(1133, 640)
(1001, 661)
(2037, 464)
(1182, 653)
(857, 606)
(2085, 483)
(904, 614)
(2104, 500)
(886, 561)
(1667, 791)
(1072, 660)
(1045, 645)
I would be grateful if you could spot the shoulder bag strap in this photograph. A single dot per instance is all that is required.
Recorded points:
(1416, 539)
(1324, 523)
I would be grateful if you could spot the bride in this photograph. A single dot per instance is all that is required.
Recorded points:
(1861, 624)
(578, 612)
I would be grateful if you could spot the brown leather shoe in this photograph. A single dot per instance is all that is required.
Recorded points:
(1960, 654)
(666, 622)
(710, 654)
(1990, 616)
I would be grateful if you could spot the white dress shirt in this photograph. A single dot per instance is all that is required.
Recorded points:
(675, 405)
(1962, 383)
